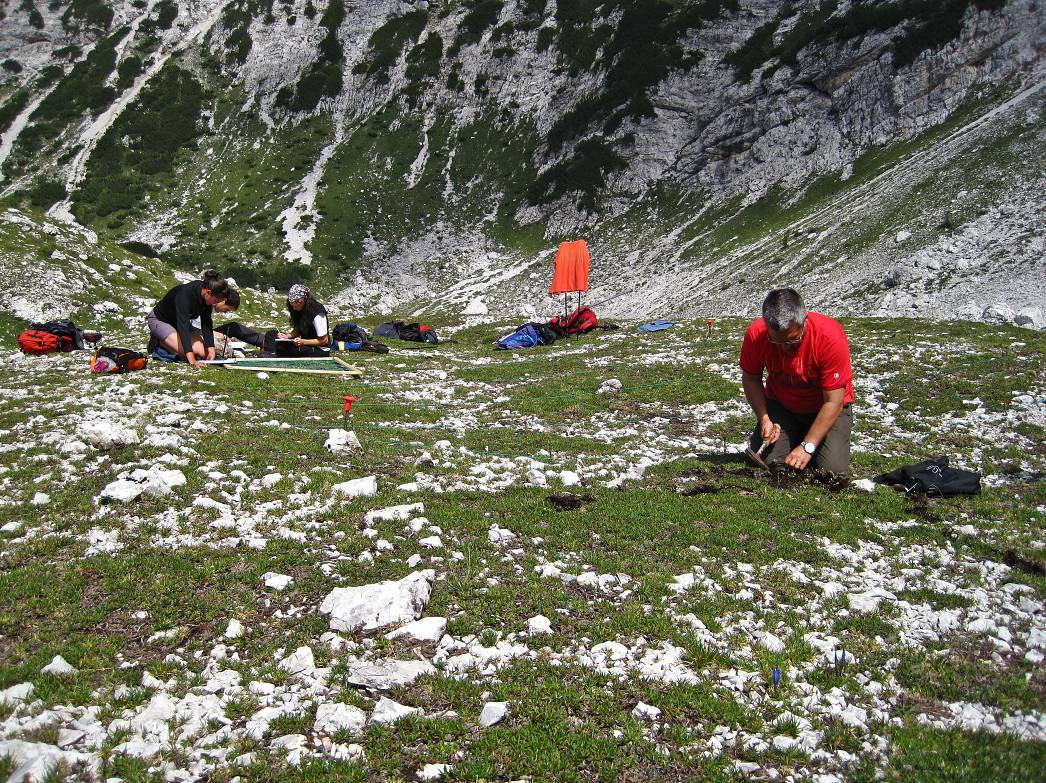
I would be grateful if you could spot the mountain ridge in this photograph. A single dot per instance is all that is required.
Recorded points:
(390, 152)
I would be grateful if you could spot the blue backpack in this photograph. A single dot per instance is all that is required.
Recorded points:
(527, 336)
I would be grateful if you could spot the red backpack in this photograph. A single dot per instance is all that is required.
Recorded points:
(578, 322)
(37, 342)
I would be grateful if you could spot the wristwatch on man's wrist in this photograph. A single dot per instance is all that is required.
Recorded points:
(809, 447)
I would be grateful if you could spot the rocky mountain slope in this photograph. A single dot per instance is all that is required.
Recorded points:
(881, 155)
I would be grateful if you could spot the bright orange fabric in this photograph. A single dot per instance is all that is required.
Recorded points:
(572, 262)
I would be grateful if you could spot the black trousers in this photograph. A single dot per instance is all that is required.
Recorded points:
(833, 453)
(237, 331)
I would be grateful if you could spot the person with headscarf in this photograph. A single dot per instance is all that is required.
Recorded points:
(181, 321)
(310, 328)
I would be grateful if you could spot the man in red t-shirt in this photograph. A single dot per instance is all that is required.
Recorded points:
(805, 408)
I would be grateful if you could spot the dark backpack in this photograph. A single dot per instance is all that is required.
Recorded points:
(578, 322)
(67, 332)
(415, 332)
(118, 360)
(349, 333)
(933, 477)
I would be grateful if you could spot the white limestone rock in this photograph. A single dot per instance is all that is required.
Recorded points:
(104, 434)
(538, 625)
(277, 582)
(356, 488)
(493, 713)
(389, 711)
(60, 667)
(16, 694)
(427, 629)
(390, 673)
(301, 661)
(378, 605)
(234, 630)
(341, 441)
(333, 717)
(434, 771)
(642, 711)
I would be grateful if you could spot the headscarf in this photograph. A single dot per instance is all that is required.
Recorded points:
(298, 293)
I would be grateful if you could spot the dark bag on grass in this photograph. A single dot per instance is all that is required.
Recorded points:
(933, 477)
(415, 332)
(118, 360)
(70, 337)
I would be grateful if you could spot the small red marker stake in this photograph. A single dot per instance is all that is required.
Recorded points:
(348, 403)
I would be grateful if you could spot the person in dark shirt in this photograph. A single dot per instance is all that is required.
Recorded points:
(171, 319)
(310, 330)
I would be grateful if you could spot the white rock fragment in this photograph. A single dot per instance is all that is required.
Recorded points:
(377, 605)
(234, 630)
(394, 513)
(427, 629)
(609, 386)
(493, 712)
(539, 625)
(642, 710)
(475, 307)
(431, 542)
(865, 485)
(569, 478)
(769, 641)
(389, 711)
(40, 499)
(355, 488)
(333, 717)
(301, 661)
(902, 236)
(434, 771)
(60, 667)
(341, 441)
(271, 480)
(388, 674)
(263, 376)
(277, 582)
(37, 761)
(104, 434)
(16, 694)
(499, 535)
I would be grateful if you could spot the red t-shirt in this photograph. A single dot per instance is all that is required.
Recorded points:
(798, 380)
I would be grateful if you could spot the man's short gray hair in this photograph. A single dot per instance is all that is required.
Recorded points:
(783, 308)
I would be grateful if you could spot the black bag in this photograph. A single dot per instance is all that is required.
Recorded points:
(71, 338)
(349, 333)
(415, 332)
(933, 477)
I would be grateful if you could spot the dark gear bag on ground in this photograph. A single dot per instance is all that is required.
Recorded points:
(67, 332)
(528, 336)
(933, 477)
(108, 359)
(349, 333)
(578, 322)
(61, 335)
(415, 332)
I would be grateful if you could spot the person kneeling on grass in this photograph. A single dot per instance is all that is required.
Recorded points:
(171, 321)
(804, 411)
(310, 330)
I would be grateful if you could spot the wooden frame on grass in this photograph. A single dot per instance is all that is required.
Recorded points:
(263, 365)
